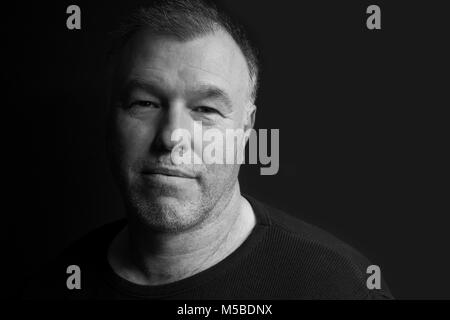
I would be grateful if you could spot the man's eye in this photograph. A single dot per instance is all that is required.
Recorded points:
(206, 110)
(144, 104)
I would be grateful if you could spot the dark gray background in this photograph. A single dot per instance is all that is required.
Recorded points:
(360, 113)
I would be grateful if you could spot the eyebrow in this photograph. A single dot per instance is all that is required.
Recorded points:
(144, 85)
(200, 91)
(206, 91)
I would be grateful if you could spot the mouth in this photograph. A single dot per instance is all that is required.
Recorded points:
(168, 172)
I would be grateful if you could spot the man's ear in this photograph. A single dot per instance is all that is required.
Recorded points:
(250, 116)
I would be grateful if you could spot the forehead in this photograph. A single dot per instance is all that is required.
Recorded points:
(178, 66)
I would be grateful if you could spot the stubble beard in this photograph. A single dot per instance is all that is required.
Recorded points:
(167, 210)
(162, 211)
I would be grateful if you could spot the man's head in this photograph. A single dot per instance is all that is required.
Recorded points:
(176, 63)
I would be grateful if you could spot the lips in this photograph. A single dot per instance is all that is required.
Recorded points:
(171, 172)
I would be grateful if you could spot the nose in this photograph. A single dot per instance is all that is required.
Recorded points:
(174, 117)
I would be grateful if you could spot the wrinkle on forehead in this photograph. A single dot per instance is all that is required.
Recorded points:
(214, 55)
(180, 82)
(209, 71)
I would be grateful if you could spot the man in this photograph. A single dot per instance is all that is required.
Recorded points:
(189, 232)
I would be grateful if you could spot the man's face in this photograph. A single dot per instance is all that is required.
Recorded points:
(162, 84)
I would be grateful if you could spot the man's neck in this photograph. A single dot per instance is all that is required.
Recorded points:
(150, 258)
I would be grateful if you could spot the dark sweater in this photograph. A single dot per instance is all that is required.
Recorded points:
(283, 258)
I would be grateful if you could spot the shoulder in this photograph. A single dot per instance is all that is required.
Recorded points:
(88, 255)
(89, 246)
(328, 266)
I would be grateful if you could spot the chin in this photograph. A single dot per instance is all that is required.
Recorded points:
(169, 213)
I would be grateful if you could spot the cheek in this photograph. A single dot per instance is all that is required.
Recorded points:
(221, 145)
(134, 137)
(218, 175)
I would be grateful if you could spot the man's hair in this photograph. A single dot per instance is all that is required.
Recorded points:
(187, 20)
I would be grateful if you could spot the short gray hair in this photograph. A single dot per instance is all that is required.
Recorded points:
(186, 20)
